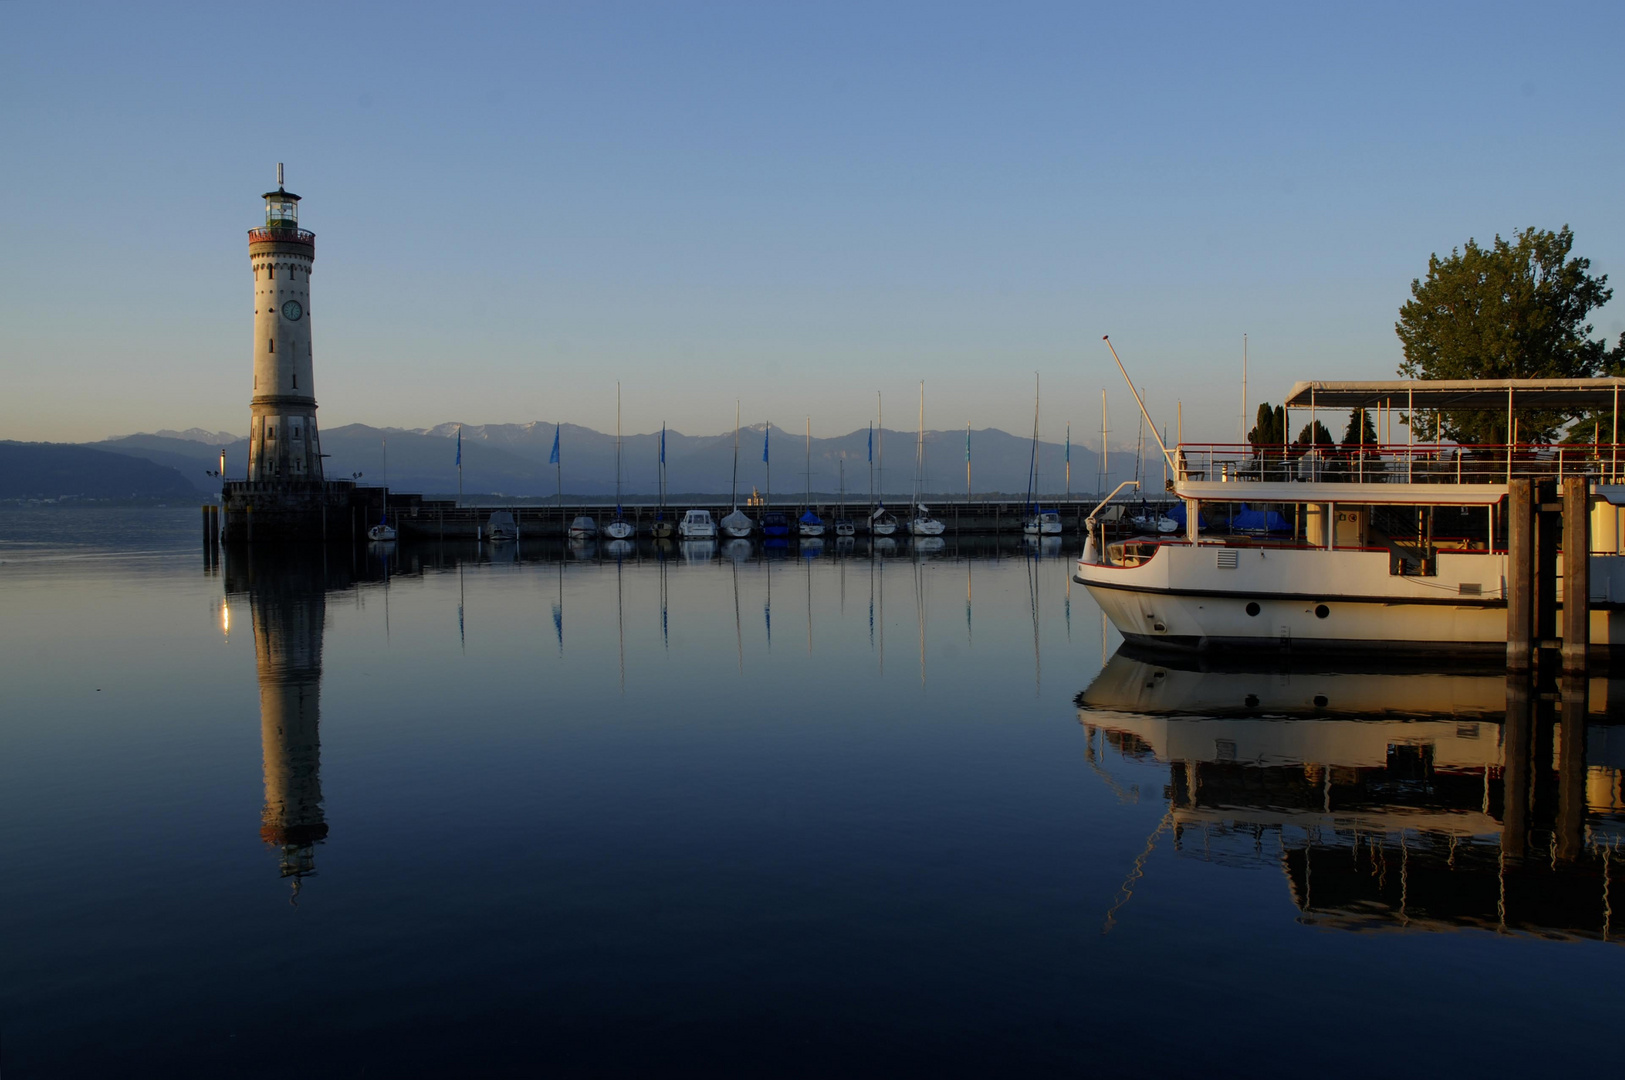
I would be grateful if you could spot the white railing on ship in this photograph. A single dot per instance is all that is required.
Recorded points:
(1420, 463)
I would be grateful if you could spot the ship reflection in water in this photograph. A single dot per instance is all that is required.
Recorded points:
(1398, 801)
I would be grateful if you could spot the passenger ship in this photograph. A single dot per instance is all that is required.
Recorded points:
(1375, 547)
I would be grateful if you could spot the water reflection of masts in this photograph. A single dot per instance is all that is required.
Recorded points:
(665, 640)
(1032, 593)
(739, 627)
(809, 605)
(558, 607)
(919, 613)
(767, 607)
(970, 638)
(620, 623)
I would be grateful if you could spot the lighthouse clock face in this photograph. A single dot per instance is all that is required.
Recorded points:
(292, 311)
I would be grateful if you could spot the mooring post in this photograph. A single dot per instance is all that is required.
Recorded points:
(1576, 575)
(1520, 567)
(1515, 749)
(1571, 765)
(1548, 522)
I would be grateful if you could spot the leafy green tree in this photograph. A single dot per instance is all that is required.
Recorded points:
(1511, 310)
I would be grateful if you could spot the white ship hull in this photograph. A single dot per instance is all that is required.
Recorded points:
(1212, 596)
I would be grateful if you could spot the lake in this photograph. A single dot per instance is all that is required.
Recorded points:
(456, 809)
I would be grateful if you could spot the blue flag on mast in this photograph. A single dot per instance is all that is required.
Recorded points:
(871, 442)
(765, 432)
(459, 444)
(553, 458)
(662, 444)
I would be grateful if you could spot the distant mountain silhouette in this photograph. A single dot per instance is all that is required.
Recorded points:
(512, 459)
(58, 470)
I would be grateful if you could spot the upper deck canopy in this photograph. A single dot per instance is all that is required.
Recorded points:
(1458, 395)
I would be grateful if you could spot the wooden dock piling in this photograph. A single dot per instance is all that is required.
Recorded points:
(1576, 573)
(1520, 591)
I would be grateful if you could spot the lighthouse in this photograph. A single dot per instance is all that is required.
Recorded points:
(283, 444)
(284, 493)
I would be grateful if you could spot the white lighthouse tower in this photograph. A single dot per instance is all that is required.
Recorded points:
(283, 446)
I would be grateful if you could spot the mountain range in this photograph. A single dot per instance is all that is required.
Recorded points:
(513, 460)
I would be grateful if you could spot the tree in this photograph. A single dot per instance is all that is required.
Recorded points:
(1509, 311)
(1270, 428)
(1360, 431)
(1316, 434)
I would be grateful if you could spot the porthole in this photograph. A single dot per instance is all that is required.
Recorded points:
(1253, 608)
(1321, 611)
(1251, 701)
(1320, 701)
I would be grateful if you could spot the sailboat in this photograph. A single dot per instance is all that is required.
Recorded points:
(383, 532)
(809, 523)
(736, 524)
(922, 523)
(620, 528)
(1038, 522)
(882, 522)
(662, 529)
(843, 524)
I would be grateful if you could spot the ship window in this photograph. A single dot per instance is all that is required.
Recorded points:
(272, 345)
(1253, 608)
(296, 433)
(1321, 611)
(270, 431)
(270, 272)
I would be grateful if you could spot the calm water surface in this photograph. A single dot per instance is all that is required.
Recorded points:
(453, 811)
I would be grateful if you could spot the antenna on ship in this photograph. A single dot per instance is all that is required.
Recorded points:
(279, 175)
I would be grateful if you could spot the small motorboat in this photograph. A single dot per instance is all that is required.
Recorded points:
(775, 525)
(663, 529)
(697, 525)
(619, 529)
(810, 524)
(382, 532)
(500, 528)
(845, 527)
(883, 522)
(583, 528)
(738, 524)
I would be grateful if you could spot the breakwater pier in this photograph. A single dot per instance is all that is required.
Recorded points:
(415, 517)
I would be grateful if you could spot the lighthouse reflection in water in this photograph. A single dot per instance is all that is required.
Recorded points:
(286, 596)
(1408, 800)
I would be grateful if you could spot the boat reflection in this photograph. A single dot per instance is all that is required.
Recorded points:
(1390, 800)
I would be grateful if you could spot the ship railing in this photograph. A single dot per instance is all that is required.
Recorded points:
(1398, 463)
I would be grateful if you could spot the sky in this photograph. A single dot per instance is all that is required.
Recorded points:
(794, 206)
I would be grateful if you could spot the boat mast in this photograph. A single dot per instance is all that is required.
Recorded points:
(617, 450)
(736, 456)
(880, 413)
(1032, 465)
(919, 449)
(807, 504)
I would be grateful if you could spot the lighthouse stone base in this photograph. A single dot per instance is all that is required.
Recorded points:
(306, 509)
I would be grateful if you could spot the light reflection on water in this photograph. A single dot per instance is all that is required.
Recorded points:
(597, 810)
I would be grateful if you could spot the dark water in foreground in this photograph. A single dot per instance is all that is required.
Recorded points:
(445, 812)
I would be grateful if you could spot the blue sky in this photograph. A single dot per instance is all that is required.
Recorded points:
(796, 206)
